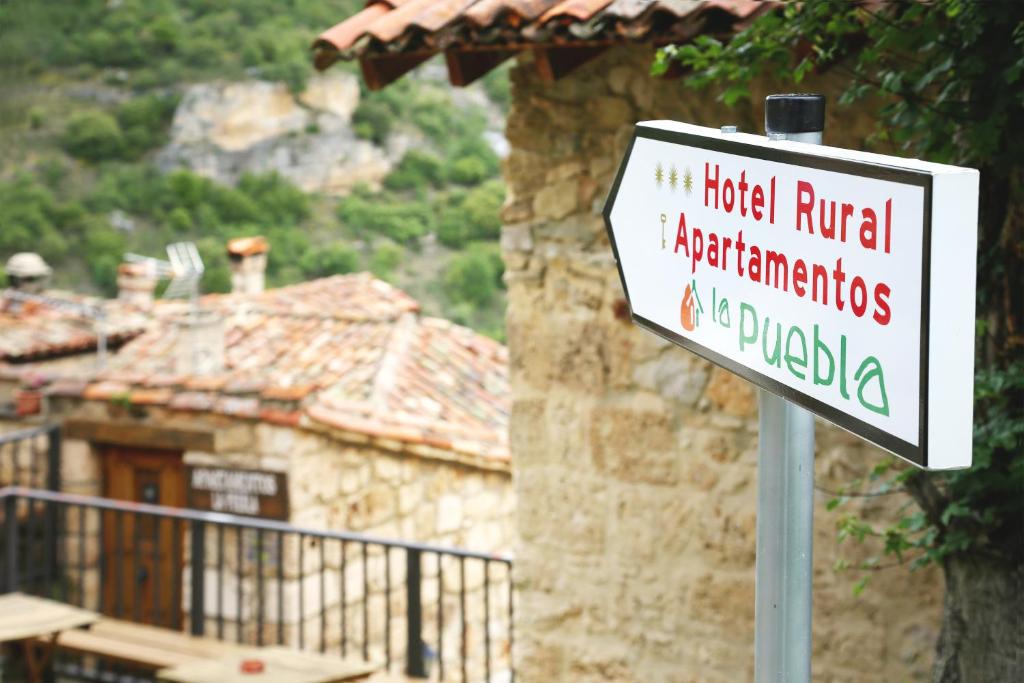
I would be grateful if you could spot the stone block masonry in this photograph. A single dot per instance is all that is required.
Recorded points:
(635, 461)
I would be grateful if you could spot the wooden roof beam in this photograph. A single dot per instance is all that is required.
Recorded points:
(379, 71)
(465, 67)
(555, 62)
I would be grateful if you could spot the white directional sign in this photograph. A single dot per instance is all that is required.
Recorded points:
(841, 280)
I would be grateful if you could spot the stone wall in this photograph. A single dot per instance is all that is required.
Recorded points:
(380, 493)
(333, 485)
(635, 460)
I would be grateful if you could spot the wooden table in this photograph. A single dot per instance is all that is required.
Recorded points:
(36, 623)
(147, 647)
(281, 665)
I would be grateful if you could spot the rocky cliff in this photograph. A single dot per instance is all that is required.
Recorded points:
(222, 130)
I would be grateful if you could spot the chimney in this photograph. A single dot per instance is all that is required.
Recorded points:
(248, 264)
(199, 347)
(28, 272)
(135, 284)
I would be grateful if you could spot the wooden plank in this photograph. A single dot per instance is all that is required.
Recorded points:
(26, 616)
(380, 71)
(125, 433)
(138, 654)
(281, 665)
(554, 63)
(155, 637)
(465, 67)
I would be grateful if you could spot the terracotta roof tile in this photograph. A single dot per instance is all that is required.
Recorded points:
(32, 331)
(106, 390)
(348, 352)
(151, 396)
(433, 25)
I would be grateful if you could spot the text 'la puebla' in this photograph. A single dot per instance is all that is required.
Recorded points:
(829, 285)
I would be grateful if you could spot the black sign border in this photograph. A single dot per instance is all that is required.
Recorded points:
(917, 455)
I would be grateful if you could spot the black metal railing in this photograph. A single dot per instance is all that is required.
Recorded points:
(31, 457)
(261, 582)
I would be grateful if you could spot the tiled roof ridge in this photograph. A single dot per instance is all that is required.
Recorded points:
(384, 28)
(269, 301)
(395, 353)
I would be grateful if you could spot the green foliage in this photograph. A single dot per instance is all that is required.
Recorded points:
(416, 171)
(385, 259)
(138, 125)
(472, 216)
(158, 42)
(472, 161)
(144, 50)
(333, 259)
(402, 221)
(497, 85)
(949, 76)
(474, 276)
(93, 136)
(144, 122)
(372, 120)
(31, 218)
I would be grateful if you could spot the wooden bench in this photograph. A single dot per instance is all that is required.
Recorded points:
(178, 656)
(144, 646)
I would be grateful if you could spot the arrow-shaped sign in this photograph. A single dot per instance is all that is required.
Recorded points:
(841, 280)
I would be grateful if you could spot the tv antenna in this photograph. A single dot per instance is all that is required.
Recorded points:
(183, 267)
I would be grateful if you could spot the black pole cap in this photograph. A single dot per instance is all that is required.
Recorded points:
(794, 113)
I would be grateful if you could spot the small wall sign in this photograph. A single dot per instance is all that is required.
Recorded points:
(840, 280)
(254, 493)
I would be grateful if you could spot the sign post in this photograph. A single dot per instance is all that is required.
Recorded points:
(841, 283)
(785, 480)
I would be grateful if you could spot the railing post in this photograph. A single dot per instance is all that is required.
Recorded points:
(11, 543)
(197, 609)
(415, 665)
(53, 454)
(53, 459)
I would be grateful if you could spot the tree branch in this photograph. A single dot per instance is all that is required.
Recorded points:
(926, 494)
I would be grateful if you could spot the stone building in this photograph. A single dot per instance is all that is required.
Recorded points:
(47, 333)
(635, 461)
(350, 410)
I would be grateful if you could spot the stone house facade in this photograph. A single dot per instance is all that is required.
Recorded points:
(635, 461)
(369, 417)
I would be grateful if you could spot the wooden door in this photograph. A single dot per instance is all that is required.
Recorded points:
(142, 555)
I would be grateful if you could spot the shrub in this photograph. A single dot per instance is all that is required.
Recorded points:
(468, 171)
(93, 136)
(473, 276)
(472, 161)
(416, 170)
(144, 122)
(472, 216)
(372, 120)
(389, 216)
(482, 209)
(334, 259)
(386, 257)
(36, 118)
(279, 202)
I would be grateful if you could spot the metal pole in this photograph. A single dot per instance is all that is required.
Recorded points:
(785, 481)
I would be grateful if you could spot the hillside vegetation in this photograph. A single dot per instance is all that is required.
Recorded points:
(89, 91)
